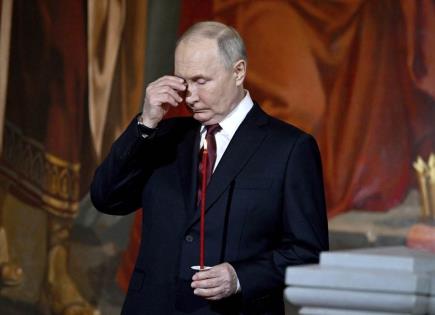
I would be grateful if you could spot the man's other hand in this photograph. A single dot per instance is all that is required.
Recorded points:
(216, 283)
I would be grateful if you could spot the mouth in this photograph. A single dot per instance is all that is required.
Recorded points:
(196, 110)
(199, 112)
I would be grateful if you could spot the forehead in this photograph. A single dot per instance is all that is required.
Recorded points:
(197, 56)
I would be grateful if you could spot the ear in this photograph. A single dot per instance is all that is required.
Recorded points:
(240, 72)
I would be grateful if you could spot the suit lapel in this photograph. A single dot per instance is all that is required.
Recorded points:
(242, 147)
(187, 167)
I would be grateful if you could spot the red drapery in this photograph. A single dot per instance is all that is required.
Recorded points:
(359, 75)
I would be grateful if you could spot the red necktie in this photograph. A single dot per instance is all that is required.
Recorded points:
(211, 150)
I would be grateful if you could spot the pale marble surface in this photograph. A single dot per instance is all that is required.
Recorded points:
(393, 280)
(335, 311)
(390, 281)
(387, 258)
(357, 300)
(360, 229)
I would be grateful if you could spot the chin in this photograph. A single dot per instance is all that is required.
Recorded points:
(201, 117)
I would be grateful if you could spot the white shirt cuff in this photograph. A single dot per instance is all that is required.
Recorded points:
(239, 288)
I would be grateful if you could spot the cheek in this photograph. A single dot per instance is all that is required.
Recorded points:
(210, 96)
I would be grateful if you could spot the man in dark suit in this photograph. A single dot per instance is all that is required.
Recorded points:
(265, 205)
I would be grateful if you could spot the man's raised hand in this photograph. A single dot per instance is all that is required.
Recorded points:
(159, 95)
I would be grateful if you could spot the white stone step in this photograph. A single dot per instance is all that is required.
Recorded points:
(336, 311)
(392, 281)
(387, 258)
(357, 300)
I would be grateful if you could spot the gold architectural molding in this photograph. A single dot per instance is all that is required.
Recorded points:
(46, 179)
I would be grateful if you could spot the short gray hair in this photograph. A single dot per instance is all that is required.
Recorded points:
(230, 44)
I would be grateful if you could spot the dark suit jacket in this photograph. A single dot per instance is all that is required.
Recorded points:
(265, 211)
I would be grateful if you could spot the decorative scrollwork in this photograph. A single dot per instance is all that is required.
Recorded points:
(45, 179)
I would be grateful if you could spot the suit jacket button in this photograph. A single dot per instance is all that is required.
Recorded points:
(188, 238)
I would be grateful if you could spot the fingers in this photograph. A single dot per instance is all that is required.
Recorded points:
(215, 283)
(207, 283)
(213, 288)
(174, 82)
(206, 274)
(163, 94)
(159, 94)
(165, 90)
(212, 294)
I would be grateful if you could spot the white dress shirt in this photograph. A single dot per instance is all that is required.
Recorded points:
(229, 126)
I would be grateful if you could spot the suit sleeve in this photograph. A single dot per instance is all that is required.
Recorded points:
(304, 231)
(118, 182)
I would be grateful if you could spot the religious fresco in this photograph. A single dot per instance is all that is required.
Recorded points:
(70, 91)
(355, 74)
(358, 75)
(40, 162)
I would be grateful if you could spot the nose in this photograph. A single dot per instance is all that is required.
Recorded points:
(191, 94)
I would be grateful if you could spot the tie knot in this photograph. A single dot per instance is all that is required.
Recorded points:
(212, 129)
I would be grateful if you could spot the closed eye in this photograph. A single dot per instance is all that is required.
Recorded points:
(200, 79)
